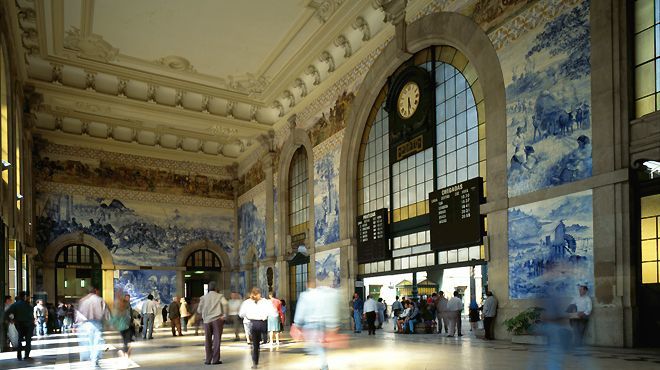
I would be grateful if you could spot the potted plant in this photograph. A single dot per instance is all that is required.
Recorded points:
(521, 327)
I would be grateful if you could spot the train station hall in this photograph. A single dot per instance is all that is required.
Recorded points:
(330, 184)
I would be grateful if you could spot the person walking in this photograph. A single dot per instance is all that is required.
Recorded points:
(397, 309)
(149, 310)
(21, 312)
(490, 311)
(164, 311)
(274, 320)
(370, 308)
(583, 308)
(257, 310)
(317, 314)
(122, 322)
(234, 320)
(41, 318)
(184, 313)
(454, 307)
(442, 312)
(358, 306)
(474, 316)
(90, 316)
(381, 312)
(213, 308)
(175, 316)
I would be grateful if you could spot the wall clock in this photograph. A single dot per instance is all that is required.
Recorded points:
(410, 106)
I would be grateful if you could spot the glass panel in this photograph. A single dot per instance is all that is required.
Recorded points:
(650, 250)
(645, 106)
(643, 14)
(650, 206)
(649, 272)
(649, 228)
(644, 46)
(645, 79)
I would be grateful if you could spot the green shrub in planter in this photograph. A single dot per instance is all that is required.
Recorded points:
(524, 321)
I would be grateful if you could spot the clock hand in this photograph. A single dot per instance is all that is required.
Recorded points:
(408, 104)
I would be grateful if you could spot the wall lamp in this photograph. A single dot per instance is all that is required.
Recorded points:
(19, 196)
(5, 165)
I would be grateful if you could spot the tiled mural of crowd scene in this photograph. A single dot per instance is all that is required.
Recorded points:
(327, 268)
(136, 233)
(547, 74)
(140, 283)
(252, 222)
(326, 125)
(326, 194)
(551, 247)
(117, 175)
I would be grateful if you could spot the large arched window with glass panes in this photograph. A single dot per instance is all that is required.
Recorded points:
(298, 198)
(403, 187)
(647, 56)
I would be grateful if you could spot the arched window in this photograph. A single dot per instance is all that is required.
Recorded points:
(78, 268)
(298, 198)
(203, 260)
(647, 56)
(458, 154)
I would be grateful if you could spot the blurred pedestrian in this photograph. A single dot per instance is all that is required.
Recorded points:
(21, 312)
(175, 316)
(257, 310)
(317, 314)
(380, 309)
(473, 314)
(234, 320)
(583, 310)
(41, 318)
(90, 316)
(213, 308)
(185, 314)
(122, 322)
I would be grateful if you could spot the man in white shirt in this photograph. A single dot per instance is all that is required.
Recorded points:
(149, 310)
(370, 308)
(454, 307)
(583, 306)
(212, 307)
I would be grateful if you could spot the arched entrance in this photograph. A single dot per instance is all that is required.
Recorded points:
(73, 258)
(298, 278)
(202, 266)
(198, 263)
(77, 267)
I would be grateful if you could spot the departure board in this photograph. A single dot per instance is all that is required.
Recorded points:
(373, 239)
(455, 218)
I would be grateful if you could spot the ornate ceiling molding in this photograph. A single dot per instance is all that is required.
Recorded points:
(89, 46)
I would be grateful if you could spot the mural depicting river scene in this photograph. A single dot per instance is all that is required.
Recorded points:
(326, 198)
(551, 247)
(547, 74)
(140, 283)
(327, 268)
(136, 233)
(252, 225)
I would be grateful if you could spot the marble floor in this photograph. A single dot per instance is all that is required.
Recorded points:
(385, 351)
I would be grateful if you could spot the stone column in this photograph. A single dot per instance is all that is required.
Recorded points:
(235, 252)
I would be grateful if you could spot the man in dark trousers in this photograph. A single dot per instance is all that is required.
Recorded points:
(22, 313)
(175, 316)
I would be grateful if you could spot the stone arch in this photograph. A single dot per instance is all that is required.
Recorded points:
(63, 241)
(203, 245)
(297, 138)
(450, 29)
(224, 283)
(250, 262)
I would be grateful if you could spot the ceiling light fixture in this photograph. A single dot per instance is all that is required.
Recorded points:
(5, 165)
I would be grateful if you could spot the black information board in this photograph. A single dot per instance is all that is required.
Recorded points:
(455, 218)
(373, 239)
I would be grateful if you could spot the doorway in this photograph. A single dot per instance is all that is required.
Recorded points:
(78, 267)
(202, 266)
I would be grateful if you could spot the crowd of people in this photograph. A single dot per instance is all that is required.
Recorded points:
(432, 314)
(316, 319)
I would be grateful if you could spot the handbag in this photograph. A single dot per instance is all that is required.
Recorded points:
(12, 334)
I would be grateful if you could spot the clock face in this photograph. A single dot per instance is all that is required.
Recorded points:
(408, 100)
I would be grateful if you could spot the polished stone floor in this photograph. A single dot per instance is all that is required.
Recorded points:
(385, 351)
